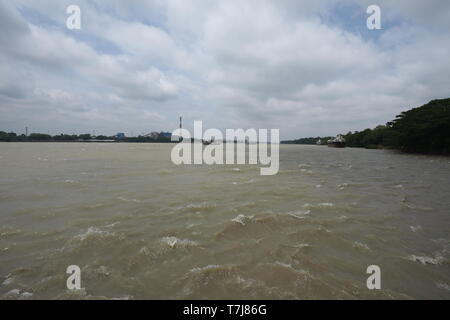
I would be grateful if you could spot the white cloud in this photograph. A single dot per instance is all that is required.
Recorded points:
(231, 63)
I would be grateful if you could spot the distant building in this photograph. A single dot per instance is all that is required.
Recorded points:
(158, 135)
(154, 135)
(165, 135)
(120, 135)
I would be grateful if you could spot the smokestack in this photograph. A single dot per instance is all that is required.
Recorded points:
(181, 126)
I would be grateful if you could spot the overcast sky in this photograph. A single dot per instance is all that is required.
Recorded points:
(309, 68)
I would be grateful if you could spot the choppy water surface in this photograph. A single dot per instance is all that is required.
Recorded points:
(140, 227)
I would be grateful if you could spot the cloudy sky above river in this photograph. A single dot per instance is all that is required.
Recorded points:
(307, 67)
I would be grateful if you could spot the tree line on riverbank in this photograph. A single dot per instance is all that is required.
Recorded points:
(41, 137)
(424, 129)
(309, 140)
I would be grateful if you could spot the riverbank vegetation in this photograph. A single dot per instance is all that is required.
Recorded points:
(310, 140)
(40, 137)
(424, 129)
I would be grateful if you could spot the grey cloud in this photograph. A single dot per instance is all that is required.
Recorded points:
(11, 24)
(230, 63)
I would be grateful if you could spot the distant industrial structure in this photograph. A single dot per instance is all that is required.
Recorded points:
(120, 135)
(157, 135)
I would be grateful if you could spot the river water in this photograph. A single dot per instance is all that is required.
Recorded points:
(140, 227)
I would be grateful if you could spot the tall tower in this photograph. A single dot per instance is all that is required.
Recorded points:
(181, 126)
(26, 131)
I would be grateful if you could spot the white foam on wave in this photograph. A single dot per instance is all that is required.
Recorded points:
(244, 182)
(361, 245)
(174, 242)
(145, 251)
(201, 206)
(205, 268)
(443, 286)
(25, 295)
(17, 294)
(242, 219)
(112, 225)
(8, 231)
(93, 233)
(438, 259)
(286, 265)
(126, 297)
(302, 245)
(213, 272)
(326, 204)
(128, 200)
(319, 205)
(291, 268)
(299, 214)
(342, 186)
(415, 228)
(8, 281)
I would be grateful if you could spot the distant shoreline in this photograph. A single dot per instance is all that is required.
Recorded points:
(421, 130)
(86, 141)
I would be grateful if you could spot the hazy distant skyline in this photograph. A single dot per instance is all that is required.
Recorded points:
(309, 68)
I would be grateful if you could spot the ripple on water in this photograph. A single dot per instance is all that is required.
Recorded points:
(249, 226)
(6, 231)
(210, 280)
(197, 207)
(165, 172)
(129, 200)
(93, 237)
